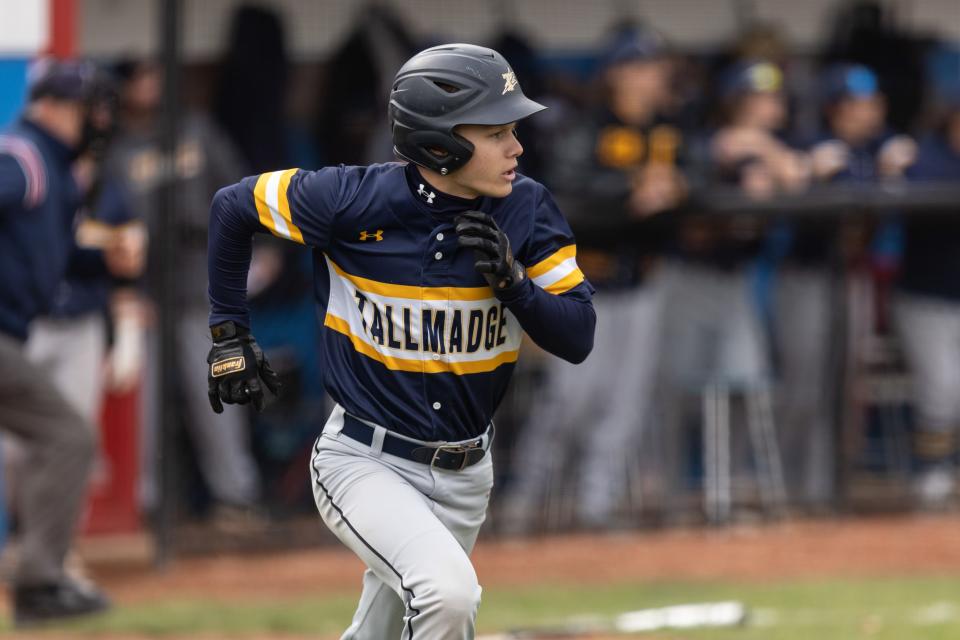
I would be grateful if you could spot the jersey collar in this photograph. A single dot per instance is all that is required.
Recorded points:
(434, 201)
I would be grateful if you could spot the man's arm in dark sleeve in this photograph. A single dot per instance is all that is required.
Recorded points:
(561, 324)
(229, 246)
(13, 183)
(294, 205)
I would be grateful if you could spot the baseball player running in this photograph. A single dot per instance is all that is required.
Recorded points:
(427, 274)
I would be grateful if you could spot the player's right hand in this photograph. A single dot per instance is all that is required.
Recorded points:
(236, 367)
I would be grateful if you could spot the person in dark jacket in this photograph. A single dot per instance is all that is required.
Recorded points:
(38, 202)
(928, 314)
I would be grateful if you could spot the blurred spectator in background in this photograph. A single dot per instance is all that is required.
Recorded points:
(928, 311)
(254, 119)
(713, 328)
(751, 151)
(39, 200)
(205, 160)
(268, 134)
(352, 124)
(748, 149)
(617, 167)
(866, 32)
(535, 133)
(856, 147)
(858, 144)
(69, 341)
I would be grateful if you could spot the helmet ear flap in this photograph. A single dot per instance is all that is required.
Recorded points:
(455, 151)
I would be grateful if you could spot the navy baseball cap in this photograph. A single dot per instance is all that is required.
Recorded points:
(757, 76)
(61, 79)
(849, 81)
(631, 45)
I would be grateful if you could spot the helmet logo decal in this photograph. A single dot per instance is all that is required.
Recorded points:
(509, 81)
(427, 195)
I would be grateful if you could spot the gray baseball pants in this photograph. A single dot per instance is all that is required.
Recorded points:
(413, 525)
(60, 447)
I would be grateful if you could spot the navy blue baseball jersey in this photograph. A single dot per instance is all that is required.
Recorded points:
(414, 338)
(38, 204)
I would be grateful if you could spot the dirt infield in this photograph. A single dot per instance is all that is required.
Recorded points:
(838, 548)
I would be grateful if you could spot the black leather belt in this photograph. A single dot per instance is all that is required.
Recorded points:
(452, 457)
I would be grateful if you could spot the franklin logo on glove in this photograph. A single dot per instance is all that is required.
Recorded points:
(237, 367)
(224, 367)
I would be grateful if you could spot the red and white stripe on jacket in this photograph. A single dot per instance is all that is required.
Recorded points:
(30, 161)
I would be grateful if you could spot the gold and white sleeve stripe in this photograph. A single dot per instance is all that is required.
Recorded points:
(558, 273)
(270, 195)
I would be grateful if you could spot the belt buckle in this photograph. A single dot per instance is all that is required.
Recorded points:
(455, 448)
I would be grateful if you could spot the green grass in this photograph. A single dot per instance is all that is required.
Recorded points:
(883, 609)
(837, 610)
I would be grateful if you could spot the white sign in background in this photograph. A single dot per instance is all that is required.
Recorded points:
(24, 27)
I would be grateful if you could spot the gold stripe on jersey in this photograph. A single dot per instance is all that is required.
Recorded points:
(566, 283)
(412, 292)
(559, 273)
(542, 267)
(273, 207)
(418, 366)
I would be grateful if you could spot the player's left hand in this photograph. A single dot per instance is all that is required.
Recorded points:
(478, 231)
(236, 367)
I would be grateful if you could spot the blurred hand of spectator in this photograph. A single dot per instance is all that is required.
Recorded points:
(656, 187)
(829, 158)
(795, 172)
(898, 153)
(125, 362)
(770, 164)
(732, 145)
(758, 181)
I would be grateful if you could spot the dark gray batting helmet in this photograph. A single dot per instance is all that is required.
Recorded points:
(446, 86)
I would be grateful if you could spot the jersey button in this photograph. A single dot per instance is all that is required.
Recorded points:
(440, 237)
(437, 255)
(436, 406)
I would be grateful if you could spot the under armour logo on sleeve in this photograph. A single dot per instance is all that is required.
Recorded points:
(376, 235)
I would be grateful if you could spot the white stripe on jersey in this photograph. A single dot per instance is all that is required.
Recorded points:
(557, 273)
(273, 202)
(405, 316)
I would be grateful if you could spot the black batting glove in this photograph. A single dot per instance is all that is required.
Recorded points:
(491, 247)
(237, 365)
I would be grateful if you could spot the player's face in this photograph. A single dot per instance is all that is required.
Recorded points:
(492, 168)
